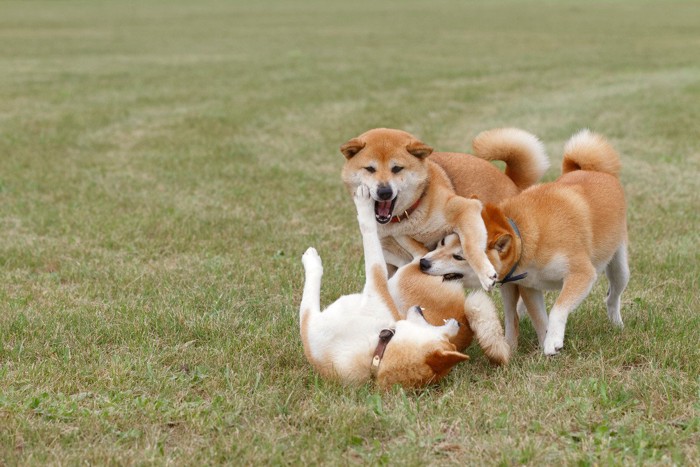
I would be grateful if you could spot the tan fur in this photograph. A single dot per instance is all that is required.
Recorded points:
(340, 341)
(436, 178)
(437, 363)
(571, 230)
(439, 300)
(382, 289)
(442, 300)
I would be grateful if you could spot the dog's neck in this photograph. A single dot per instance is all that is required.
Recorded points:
(407, 213)
(518, 248)
(384, 337)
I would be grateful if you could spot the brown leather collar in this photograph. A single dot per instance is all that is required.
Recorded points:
(407, 212)
(384, 337)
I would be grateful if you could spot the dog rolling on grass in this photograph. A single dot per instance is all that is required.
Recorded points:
(420, 196)
(364, 336)
(561, 235)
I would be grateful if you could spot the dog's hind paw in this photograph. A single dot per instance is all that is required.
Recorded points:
(311, 260)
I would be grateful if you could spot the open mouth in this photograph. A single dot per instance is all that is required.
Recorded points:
(452, 276)
(383, 210)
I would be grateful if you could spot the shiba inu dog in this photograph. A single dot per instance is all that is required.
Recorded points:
(447, 261)
(364, 335)
(557, 235)
(420, 196)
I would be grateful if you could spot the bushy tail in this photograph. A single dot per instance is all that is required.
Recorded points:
(524, 154)
(590, 151)
(482, 317)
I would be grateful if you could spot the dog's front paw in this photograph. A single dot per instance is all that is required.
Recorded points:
(365, 206)
(554, 338)
(362, 197)
(488, 279)
(553, 344)
(312, 261)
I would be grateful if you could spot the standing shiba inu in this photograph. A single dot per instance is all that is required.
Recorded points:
(559, 235)
(364, 335)
(415, 191)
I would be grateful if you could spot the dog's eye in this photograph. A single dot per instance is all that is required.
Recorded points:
(396, 169)
(370, 169)
(458, 258)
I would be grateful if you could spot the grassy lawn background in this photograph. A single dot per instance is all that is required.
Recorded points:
(163, 166)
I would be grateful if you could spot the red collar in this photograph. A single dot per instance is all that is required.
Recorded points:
(407, 212)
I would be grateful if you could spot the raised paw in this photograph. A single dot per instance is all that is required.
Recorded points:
(365, 207)
(312, 261)
(362, 197)
(451, 327)
(488, 280)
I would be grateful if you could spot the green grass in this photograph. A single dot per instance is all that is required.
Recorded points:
(163, 166)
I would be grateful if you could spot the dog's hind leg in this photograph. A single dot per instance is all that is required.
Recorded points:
(618, 274)
(376, 280)
(311, 298)
(576, 286)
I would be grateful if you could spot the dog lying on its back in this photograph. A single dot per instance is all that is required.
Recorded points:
(364, 336)
(562, 235)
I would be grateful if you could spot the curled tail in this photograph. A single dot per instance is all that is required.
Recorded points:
(524, 154)
(590, 151)
(482, 317)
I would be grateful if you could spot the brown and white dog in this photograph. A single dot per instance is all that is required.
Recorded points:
(420, 196)
(561, 235)
(364, 335)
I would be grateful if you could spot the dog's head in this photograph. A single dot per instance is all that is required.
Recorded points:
(502, 249)
(447, 260)
(419, 354)
(392, 164)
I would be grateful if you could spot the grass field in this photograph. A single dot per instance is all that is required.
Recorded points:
(163, 166)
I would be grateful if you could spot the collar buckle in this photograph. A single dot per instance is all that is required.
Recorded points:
(385, 336)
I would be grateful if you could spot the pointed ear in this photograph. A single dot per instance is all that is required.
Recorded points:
(352, 147)
(503, 242)
(441, 361)
(419, 149)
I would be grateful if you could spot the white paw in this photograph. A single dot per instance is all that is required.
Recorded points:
(312, 261)
(553, 344)
(365, 209)
(451, 327)
(362, 198)
(488, 280)
(616, 319)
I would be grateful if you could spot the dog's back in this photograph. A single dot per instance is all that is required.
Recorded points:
(592, 166)
(523, 154)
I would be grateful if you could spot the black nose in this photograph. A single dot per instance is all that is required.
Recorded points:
(385, 192)
(424, 264)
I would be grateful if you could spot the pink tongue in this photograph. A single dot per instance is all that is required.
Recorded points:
(383, 208)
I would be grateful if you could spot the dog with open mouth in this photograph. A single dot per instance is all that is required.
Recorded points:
(420, 196)
(364, 336)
